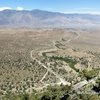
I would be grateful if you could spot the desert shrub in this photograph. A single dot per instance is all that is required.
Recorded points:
(90, 73)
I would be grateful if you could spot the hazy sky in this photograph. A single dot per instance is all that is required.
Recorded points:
(66, 6)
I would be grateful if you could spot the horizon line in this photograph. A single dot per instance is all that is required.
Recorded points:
(91, 13)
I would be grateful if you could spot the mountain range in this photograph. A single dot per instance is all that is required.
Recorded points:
(40, 18)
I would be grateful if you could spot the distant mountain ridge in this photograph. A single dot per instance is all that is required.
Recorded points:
(40, 18)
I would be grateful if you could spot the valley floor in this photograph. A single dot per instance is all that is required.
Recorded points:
(32, 60)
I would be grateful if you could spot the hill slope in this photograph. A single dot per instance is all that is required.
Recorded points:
(39, 18)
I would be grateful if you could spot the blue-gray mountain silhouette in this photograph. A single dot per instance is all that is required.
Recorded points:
(40, 18)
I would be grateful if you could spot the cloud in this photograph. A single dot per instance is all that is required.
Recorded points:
(83, 11)
(5, 8)
(87, 9)
(19, 8)
(9, 8)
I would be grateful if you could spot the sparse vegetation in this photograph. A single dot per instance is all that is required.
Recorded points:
(22, 78)
(68, 60)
